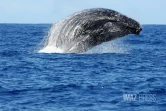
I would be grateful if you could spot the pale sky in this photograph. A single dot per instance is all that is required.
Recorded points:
(50, 11)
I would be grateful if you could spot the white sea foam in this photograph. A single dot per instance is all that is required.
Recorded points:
(51, 49)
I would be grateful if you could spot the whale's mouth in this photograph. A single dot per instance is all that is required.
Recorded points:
(134, 30)
(138, 31)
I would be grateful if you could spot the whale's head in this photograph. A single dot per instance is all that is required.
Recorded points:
(131, 25)
(112, 21)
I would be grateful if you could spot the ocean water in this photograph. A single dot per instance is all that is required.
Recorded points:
(128, 74)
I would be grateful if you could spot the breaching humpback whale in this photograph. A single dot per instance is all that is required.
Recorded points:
(88, 28)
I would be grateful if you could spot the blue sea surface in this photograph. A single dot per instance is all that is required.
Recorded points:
(133, 80)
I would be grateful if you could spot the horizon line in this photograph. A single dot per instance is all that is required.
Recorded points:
(55, 22)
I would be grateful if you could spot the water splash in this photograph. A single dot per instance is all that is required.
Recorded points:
(116, 46)
(49, 42)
